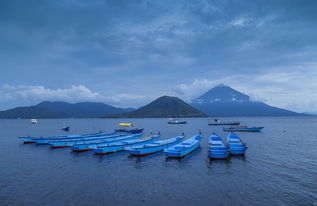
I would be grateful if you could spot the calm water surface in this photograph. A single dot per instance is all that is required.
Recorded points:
(280, 167)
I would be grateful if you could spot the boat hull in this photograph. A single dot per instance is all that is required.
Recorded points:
(251, 129)
(33, 139)
(78, 147)
(151, 150)
(84, 141)
(183, 153)
(217, 148)
(117, 148)
(218, 154)
(177, 122)
(224, 123)
(240, 151)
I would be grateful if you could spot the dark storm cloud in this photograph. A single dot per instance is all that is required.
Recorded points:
(148, 47)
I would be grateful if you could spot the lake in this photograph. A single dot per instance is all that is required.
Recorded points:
(280, 166)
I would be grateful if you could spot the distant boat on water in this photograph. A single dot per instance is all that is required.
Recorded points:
(243, 129)
(34, 121)
(176, 121)
(66, 128)
(217, 122)
(123, 128)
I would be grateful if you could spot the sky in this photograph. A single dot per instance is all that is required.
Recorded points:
(127, 53)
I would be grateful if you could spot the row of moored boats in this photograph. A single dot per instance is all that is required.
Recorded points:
(139, 145)
(234, 125)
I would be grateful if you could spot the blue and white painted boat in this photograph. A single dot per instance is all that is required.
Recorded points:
(124, 145)
(97, 142)
(217, 148)
(217, 122)
(32, 139)
(184, 148)
(95, 137)
(131, 131)
(243, 129)
(236, 146)
(154, 147)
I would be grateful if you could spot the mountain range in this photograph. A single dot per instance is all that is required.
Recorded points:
(219, 101)
(63, 110)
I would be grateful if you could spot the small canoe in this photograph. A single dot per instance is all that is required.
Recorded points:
(243, 129)
(184, 148)
(217, 148)
(124, 145)
(217, 122)
(236, 146)
(32, 139)
(156, 146)
(89, 145)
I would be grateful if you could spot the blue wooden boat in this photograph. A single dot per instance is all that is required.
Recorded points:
(156, 146)
(89, 145)
(71, 142)
(243, 129)
(236, 146)
(124, 145)
(95, 137)
(217, 122)
(217, 148)
(184, 148)
(32, 139)
(131, 131)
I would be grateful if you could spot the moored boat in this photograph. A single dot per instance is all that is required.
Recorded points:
(217, 148)
(33, 139)
(122, 128)
(80, 138)
(176, 121)
(243, 129)
(126, 124)
(131, 131)
(154, 147)
(235, 144)
(66, 128)
(217, 122)
(34, 121)
(89, 145)
(184, 148)
(124, 145)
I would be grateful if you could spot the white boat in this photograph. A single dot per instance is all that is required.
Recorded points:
(176, 121)
(34, 121)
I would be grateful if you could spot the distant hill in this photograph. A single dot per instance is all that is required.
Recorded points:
(84, 109)
(62, 110)
(163, 107)
(31, 112)
(224, 101)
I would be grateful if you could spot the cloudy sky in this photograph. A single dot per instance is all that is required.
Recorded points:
(127, 53)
